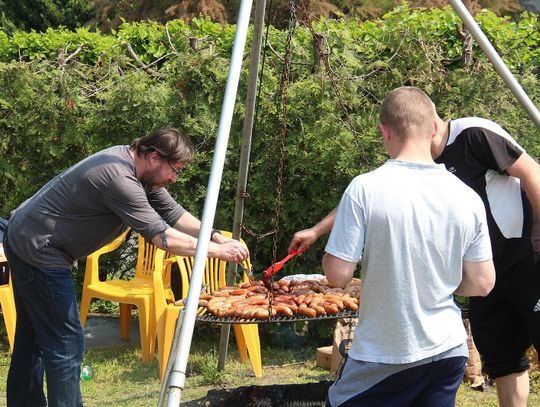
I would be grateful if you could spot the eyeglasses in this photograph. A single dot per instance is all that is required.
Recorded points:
(175, 170)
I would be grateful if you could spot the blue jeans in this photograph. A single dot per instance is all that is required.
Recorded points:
(48, 337)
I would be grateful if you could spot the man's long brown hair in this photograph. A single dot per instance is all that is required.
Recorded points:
(172, 145)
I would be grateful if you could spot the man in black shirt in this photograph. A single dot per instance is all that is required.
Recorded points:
(506, 322)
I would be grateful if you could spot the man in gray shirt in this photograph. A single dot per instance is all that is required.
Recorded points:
(78, 211)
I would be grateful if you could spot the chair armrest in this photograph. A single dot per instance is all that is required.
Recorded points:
(91, 273)
(113, 245)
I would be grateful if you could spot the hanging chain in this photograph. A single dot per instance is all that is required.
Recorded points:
(259, 236)
(280, 122)
(282, 108)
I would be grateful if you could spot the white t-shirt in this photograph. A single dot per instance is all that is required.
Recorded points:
(411, 225)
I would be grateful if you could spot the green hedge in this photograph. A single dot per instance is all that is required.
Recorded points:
(58, 105)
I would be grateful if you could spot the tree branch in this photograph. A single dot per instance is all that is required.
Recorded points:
(137, 59)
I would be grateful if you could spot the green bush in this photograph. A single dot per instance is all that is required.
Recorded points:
(40, 14)
(59, 103)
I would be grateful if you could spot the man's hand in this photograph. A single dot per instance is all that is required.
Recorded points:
(233, 250)
(303, 239)
(220, 239)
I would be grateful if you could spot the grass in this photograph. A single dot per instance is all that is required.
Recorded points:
(121, 379)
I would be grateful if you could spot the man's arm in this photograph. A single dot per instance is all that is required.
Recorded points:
(528, 171)
(180, 243)
(182, 240)
(305, 238)
(338, 272)
(191, 225)
(188, 224)
(478, 279)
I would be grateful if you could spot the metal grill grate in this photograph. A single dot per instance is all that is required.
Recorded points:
(204, 316)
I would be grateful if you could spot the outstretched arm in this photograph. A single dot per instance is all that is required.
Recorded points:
(305, 238)
(182, 240)
(190, 225)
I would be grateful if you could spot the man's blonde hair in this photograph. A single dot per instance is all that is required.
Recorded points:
(408, 111)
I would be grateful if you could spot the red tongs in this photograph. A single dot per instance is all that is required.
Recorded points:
(274, 268)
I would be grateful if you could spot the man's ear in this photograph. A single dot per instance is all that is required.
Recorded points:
(385, 131)
(156, 156)
(435, 131)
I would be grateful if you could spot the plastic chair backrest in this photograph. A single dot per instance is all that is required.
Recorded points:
(136, 291)
(91, 274)
(145, 259)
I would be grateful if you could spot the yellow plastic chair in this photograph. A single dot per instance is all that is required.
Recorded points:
(138, 291)
(166, 311)
(7, 303)
(247, 335)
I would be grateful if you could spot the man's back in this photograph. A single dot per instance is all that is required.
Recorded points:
(419, 223)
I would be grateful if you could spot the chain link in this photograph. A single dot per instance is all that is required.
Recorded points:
(282, 109)
(259, 236)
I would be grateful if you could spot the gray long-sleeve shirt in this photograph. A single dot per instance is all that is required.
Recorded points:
(87, 206)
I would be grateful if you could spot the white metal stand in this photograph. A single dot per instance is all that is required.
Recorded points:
(241, 187)
(178, 375)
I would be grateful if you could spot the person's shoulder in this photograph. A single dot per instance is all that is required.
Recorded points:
(465, 192)
(113, 154)
(474, 121)
(120, 150)
(115, 161)
(475, 126)
(370, 175)
(362, 181)
(479, 132)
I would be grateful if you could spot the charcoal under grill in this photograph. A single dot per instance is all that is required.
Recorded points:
(204, 316)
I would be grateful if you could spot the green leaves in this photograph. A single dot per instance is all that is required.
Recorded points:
(60, 102)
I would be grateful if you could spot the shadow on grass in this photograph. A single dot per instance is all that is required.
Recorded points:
(306, 394)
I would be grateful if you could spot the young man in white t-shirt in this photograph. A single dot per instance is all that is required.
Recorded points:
(422, 236)
(506, 322)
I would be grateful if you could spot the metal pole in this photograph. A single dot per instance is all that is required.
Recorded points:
(178, 374)
(241, 186)
(497, 61)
